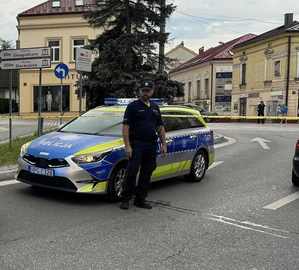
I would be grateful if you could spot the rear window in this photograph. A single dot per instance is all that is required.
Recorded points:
(174, 121)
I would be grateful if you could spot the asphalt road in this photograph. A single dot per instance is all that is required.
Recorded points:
(220, 223)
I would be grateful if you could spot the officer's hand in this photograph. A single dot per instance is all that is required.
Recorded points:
(163, 149)
(129, 151)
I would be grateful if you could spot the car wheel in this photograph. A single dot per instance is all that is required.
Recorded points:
(116, 182)
(295, 180)
(199, 167)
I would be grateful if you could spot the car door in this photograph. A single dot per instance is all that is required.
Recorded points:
(164, 162)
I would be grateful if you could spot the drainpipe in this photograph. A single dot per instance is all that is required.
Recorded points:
(212, 84)
(288, 70)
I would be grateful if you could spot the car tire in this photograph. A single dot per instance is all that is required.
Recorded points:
(295, 180)
(116, 180)
(199, 167)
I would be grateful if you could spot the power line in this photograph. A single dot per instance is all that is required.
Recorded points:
(226, 18)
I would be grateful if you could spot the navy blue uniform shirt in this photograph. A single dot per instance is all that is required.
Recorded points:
(143, 121)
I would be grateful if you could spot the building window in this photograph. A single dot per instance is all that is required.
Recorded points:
(243, 74)
(55, 3)
(55, 50)
(207, 88)
(277, 68)
(79, 3)
(77, 43)
(198, 89)
(51, 98)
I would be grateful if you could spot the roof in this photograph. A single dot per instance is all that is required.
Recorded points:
(181, 46)
(221, 52)
(294, 27)
(66, 7)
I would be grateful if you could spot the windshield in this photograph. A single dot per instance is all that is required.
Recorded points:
(96, 123)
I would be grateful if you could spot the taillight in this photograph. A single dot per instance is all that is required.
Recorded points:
(297, 145)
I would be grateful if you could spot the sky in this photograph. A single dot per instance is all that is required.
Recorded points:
(196, 22)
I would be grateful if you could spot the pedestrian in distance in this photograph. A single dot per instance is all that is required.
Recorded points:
(261, 112)
(284, 113)
(142, 126)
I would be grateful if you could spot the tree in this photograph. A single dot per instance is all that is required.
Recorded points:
(5, 44)
(128, 46)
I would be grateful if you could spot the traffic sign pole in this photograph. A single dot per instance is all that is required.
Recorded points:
(61, 101)
(80, 94)
(39, 124)
(10, 108)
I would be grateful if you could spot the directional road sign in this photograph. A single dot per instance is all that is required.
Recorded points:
(83, 60)
(29, 53)
(61, 71)
(26, 64)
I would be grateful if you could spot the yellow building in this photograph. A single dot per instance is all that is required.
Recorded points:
(208, 76)
(60, 25)
(266, 68)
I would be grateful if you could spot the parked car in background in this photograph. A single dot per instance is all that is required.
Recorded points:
(295, 173)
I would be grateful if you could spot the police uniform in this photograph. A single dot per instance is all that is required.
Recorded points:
(143, 121)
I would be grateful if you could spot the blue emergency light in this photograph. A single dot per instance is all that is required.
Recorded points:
(127, 101)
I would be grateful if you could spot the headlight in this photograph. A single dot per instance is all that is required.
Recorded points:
(90, 158)
(24, 149)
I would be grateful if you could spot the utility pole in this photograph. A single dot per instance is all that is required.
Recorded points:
(162, 41)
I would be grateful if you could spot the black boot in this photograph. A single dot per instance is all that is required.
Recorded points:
(124, 205)
(143, 204)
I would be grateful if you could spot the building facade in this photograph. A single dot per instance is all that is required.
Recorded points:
(179, 55)
(208, 77)
(266, 68)
(58, 24)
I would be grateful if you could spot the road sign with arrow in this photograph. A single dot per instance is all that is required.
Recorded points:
(61, 71)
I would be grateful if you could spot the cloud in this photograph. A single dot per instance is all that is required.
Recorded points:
(197, 22)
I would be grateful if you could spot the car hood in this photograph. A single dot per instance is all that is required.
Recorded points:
(62, 145)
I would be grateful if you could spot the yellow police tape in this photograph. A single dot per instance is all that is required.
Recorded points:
(228, 117)
(234, 117)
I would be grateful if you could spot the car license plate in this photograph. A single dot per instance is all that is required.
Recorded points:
(41, 171)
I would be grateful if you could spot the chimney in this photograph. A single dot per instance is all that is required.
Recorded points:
(201, 51)
(288, 19)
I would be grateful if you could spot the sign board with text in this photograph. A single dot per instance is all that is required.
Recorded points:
(84, 60)
(26, 64)
(26, 53)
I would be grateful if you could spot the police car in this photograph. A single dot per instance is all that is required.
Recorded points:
(87, 155)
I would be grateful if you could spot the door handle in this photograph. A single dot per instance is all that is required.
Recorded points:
(192, 136)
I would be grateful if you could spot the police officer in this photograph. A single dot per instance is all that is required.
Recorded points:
(141, 127)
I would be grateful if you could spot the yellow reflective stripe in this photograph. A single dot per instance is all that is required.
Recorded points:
(101, 147)
(86, 188)
(100, 187)
(172, 168)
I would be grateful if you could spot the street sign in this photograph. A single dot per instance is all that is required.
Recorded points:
(26, 64)
(84, 60)
(61, 71)
(26, 53)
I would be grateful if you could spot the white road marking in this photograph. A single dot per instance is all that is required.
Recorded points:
(262, 142)
(245, 225)
(215, 164)
(282, 202)
(229, 142)
(8, 183)
(8, 171)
